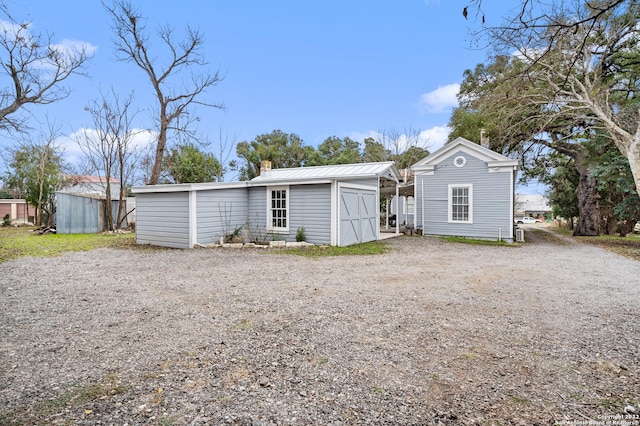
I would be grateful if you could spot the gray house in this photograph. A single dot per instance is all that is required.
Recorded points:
(336, 205)
(464, 189)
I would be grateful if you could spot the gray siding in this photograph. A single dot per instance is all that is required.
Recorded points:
(163, 219)
(219, 213)
(491, 200)
(309, 207)
(257, 217)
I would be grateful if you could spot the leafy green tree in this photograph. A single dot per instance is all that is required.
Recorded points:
(410, 156)
(188, 164)
(35, 172)
(561, 178)
(582, 72)
(282, 149)
(619, 199)
(336, 151)
(501, 97)
(374, 151)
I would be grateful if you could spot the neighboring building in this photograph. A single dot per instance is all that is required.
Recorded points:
(464, 189)
(91, 185)
(17, 209)
(81, 205)
(536, 206)
(336, 205)
(83, 213)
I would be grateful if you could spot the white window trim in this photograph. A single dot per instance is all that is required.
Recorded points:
(449, 200)
(411, 205)
(270, 227)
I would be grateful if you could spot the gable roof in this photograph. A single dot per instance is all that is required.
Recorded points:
(386, 169)
(492, 158)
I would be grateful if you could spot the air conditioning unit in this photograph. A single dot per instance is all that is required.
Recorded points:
(519, 235)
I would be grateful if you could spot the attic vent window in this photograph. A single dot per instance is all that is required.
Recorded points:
(459, 161)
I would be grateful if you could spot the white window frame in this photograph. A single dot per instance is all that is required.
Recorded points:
(411, 205)
(287, 218)
(467, 186)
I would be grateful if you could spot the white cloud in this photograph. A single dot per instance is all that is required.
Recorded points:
(435, 137)
(140, 139)
(441, 99)
(73, 47)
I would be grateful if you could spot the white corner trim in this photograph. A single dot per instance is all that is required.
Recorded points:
(193, 218)
(335, 205)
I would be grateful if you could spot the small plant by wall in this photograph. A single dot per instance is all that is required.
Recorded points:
(300, 236)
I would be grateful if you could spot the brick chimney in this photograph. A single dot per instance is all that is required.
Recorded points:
(484, 139)
(265, 167)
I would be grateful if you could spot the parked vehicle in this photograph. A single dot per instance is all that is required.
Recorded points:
(526, 220)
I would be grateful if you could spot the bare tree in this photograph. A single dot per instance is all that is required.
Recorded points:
(132, 44)
(226, 147)
(536, 22)
(34, 69)
(109, 150)
(405, 147)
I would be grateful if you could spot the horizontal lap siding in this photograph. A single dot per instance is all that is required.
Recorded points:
(310, 207)
(163, 219)
(220, 212)
(257, 213)
(491, 200)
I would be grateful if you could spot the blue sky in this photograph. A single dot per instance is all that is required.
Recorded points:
(314, 68)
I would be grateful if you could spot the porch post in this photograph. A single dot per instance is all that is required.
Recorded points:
(397, 210)
(386, 225)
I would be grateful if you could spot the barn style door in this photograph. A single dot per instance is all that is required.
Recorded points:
(358, 216)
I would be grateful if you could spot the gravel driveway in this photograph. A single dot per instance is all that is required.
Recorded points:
(430, 333)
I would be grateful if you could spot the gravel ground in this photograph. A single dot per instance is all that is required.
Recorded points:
(430, 333)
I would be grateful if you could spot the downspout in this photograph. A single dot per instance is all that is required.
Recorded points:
(397, 210)
(422, 202)
(386, 225)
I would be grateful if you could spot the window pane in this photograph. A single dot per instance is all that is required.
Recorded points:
(460, 204)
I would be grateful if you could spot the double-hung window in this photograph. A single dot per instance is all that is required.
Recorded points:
(461, 203)
(278, 208)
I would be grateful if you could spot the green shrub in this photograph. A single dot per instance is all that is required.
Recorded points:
(300, 236)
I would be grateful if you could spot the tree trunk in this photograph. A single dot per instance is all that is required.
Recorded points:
(108, 208)
(633, 155)
(589, 220)
(162, 142)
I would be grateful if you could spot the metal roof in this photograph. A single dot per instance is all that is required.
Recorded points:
(341, 171)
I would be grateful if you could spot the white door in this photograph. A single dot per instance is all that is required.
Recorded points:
(358, 216)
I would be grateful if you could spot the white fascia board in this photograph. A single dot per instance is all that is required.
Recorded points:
(287, 182)
(509, 165)
(185, 187)
(424, 169)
